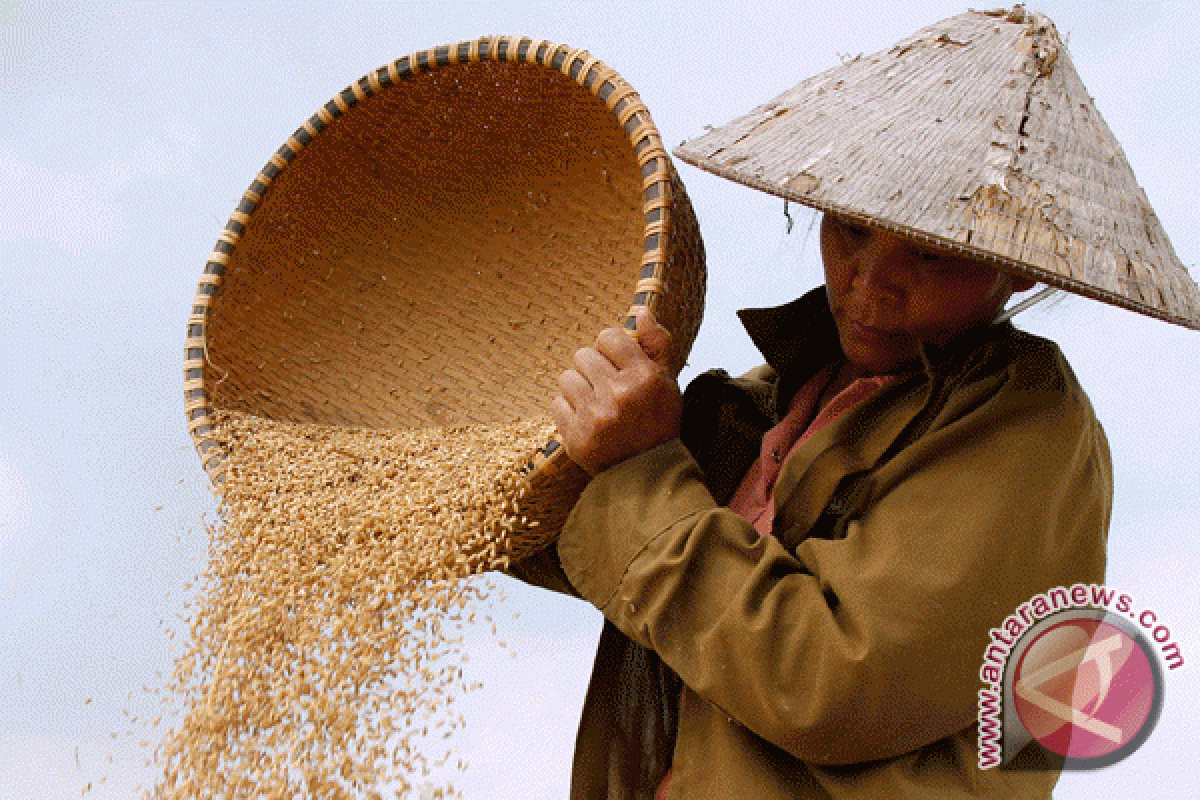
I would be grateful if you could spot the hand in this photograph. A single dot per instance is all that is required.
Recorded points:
(620, 398)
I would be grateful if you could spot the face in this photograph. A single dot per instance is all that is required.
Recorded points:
(889, 293)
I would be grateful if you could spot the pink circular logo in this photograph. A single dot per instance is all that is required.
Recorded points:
(1086, 689)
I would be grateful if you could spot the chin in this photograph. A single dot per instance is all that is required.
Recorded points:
(877, 361)
(876, 367)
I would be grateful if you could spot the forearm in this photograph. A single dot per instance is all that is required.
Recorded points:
(542, 569)
(857, 648)
(742, 621)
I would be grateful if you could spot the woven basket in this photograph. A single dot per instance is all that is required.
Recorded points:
(433, 244)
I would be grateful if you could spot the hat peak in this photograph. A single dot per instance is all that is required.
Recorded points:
(975, 134)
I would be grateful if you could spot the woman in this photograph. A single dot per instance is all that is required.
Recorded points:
(824, 652)
(798, 568)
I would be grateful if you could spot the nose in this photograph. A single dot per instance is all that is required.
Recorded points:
(874, 276)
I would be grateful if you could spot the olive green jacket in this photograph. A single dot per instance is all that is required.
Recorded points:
(840, 657)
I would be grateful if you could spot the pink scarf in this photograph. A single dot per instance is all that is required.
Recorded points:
(755, 498)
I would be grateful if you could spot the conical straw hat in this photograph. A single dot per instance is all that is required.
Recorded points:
(431, 247)
(974, 134)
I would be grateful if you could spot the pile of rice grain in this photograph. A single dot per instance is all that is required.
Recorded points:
(324, 653)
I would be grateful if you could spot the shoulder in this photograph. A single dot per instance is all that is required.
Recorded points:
(753, 393)
(761, 377)
(1021, 367)
(1022, 383)
(723, 421)
(1036, 364)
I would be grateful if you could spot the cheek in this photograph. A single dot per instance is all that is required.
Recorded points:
(839, 274)
(952, 308)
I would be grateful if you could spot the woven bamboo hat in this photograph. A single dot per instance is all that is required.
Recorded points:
(975, 134)
(433, 244)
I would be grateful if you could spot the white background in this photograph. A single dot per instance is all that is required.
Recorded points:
(127, 135)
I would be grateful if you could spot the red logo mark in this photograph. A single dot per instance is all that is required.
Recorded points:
(1084, 688)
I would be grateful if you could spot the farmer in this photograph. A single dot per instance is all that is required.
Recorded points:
(798, 568)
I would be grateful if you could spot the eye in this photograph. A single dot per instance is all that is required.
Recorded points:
(854, 232)
(937, 263)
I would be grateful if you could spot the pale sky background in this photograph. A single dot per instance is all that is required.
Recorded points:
(127, 135)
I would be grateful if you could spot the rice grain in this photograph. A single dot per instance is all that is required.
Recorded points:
(326, 647)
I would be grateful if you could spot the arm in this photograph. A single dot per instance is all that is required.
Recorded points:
(618, 400)
(543, 569)
(848, 650)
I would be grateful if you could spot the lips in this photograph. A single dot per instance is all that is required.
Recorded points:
(862, 331)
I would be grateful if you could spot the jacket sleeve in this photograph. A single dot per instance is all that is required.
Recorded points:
(542, 569)
(867, 646)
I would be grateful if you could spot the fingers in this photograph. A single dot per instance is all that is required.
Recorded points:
(649, 340)
(576, 389)
(575, 413)
(564, 417)
(620, 348)
(619, 398)
(594, 364)
(653, 337)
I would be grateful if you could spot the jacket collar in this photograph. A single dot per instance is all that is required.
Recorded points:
(799, 338)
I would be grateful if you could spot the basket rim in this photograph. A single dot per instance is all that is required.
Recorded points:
(577, 64)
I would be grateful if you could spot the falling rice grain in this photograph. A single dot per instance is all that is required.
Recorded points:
(325, 648)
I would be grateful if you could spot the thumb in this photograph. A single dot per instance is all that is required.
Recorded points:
(653, 337)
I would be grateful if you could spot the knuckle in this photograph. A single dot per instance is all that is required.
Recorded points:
(643, 376)
(620, 397)
(605, 416)
(560, 412)
(607, 339)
